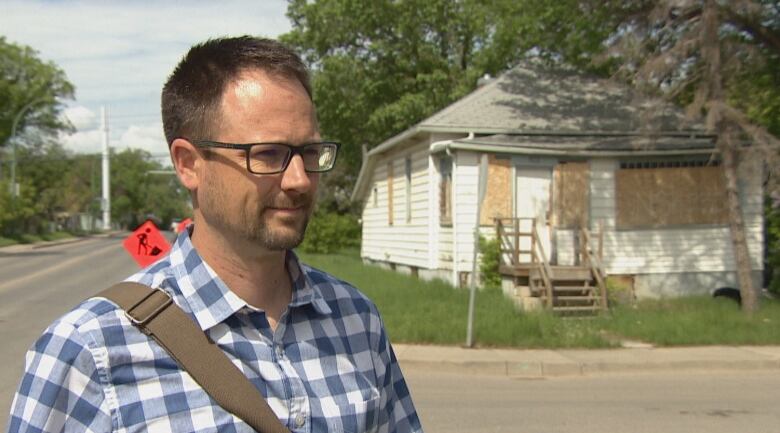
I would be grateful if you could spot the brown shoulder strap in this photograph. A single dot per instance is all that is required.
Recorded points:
(154, 313)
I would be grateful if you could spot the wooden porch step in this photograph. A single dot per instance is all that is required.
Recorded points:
(566, 274)
(577, 298)
(558, 289)
(593, 308)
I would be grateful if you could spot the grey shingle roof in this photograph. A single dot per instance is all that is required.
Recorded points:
(532, 97)
(594, 143)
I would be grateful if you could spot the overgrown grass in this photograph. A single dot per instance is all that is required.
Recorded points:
(417, 311)
(433, 312)
(56, 236)
(31, 238)
(698, 320)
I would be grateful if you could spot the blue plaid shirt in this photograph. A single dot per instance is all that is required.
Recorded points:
(328, 366)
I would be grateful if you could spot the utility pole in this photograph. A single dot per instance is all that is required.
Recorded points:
(106, 202)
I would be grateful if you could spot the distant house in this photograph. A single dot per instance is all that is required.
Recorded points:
(565, 152)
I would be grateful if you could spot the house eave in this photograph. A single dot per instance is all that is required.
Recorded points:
(577, 153)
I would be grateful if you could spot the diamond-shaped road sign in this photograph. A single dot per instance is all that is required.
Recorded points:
(183, 225)
(146, 244)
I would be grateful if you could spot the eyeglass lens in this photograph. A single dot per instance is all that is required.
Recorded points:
(264, 158)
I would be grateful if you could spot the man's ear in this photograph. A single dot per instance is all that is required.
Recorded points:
(186, 161)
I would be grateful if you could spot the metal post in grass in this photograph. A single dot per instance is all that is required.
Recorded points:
(483, 168)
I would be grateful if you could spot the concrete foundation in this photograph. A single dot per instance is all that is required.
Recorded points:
(686, 283)
(419, 272)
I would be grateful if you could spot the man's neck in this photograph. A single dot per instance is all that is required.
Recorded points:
(256, 275)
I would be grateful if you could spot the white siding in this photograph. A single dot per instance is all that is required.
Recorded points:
(465, 178)
(403, 242)
(694, 249)
(445, 248)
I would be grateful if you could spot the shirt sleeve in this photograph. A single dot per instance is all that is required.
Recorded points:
(61, 389)
(397, 412)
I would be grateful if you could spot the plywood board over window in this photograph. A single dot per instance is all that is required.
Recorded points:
(670, 196)
(498, 195)
(571, 192)
(390, 193)
(445, 191)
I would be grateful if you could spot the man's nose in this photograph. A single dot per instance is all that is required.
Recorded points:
(295, 177)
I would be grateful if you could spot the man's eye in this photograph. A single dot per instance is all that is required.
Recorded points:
(267, 154)
(312, 152)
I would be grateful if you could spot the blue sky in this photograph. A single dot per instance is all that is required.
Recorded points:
(119, 53)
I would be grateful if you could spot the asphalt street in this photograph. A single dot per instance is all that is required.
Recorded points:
(39, 284)
(711, 402)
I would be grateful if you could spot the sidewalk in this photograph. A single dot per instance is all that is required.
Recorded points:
(45, 244)
(572, 362)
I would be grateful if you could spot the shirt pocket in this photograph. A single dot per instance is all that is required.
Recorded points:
(358, 417)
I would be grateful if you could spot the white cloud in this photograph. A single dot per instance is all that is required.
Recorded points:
(80, 117)
(119, 53)
(147, 137)
(90, 141)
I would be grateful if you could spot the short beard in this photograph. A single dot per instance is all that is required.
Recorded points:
(273, 240)
(250, 226)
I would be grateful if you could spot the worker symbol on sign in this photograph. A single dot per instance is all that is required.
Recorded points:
(143, 243)
(146, 244)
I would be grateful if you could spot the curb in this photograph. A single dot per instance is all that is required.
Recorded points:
(541, 369)
(543, 363)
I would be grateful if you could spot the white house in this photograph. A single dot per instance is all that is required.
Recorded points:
(570, 151)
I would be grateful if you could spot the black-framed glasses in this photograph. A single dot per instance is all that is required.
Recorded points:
(272, 158)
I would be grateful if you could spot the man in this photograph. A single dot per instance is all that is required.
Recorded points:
(244, 139)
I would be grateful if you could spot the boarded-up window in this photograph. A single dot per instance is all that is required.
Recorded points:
(390, 193)
(571, 193)
(669, 196)
(445, 191)
(498, 195)
(408, 184)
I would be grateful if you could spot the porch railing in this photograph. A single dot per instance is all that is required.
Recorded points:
(593, 259)
(510, 232)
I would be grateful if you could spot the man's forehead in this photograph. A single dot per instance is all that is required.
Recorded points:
(257, 79)
(247, 88)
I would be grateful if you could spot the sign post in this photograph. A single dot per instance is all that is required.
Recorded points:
(483, 172)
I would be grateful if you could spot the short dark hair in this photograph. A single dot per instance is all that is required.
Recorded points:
(192, 95)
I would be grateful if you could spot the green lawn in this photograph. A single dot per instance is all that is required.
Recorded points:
(417, 311)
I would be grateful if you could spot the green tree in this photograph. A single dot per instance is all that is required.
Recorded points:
(713, 56)
(32, 91)
(382, 66)
(138, 194)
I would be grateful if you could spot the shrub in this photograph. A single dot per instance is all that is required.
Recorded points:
(488, 265)
(619, 292)
(330, 232)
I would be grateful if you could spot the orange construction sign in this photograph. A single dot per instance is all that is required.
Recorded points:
(146, 244)
(183, 225)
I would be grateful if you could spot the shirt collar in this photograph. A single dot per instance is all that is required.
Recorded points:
(209, 298)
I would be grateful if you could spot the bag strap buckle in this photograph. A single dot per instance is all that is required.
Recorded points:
(143, 316)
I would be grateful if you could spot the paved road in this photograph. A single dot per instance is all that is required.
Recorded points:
(37, 285)
(669, 403)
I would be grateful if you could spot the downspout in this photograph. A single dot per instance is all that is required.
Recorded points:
(436, 147)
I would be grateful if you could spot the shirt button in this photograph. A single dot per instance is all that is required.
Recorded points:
(299, 420)
(279, 351)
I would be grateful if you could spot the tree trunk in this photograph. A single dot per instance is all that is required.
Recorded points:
(737, 227)
(728, 145)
